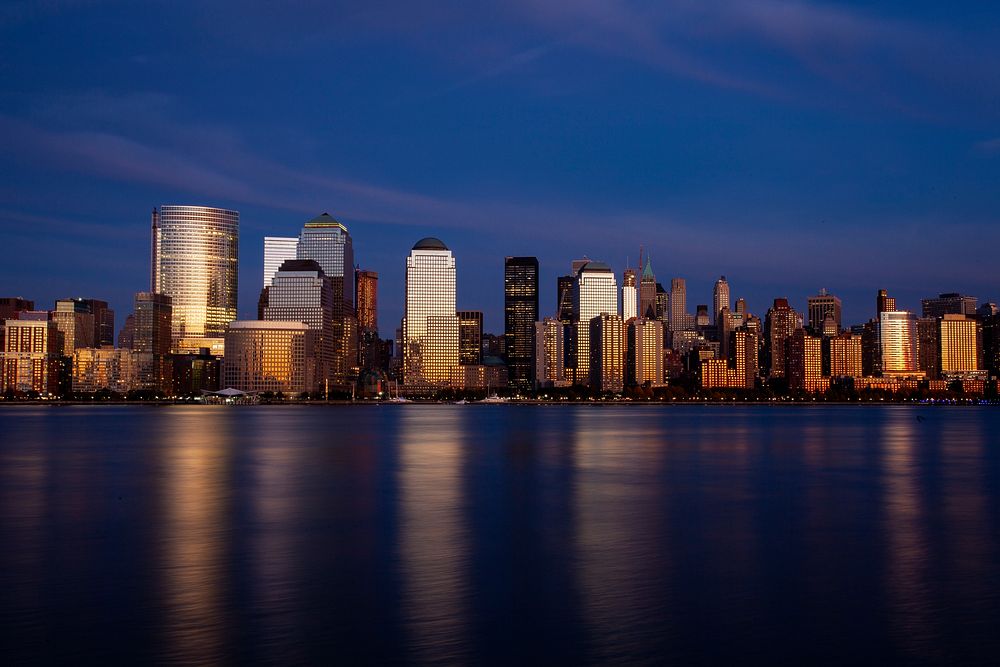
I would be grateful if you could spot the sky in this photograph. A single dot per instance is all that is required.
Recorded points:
(789, 145)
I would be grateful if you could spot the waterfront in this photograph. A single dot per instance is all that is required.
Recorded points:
(501, 534)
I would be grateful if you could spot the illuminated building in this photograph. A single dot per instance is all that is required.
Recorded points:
(152, 341)
(430, 325)
(300, 292)
(663, 306)
(740, 370)
(10, 308)
(845, 355)
(677, 315)
(596, 293)
(647, 292)
(741, 306)
(327, 242)
(95, 369)
(470, 337)
(780, 323)
(630, 295)
(928, 346)
(898, 343)
(805, 362)
(277, 249)
(701, 318)
(565, 286)
(489, 375)
(959, 345)
(884, 303)
(644, 353)
(269, 357)
(366, 291)
(30, 357)
(720, 298)
(607, 358)
(549, 354)
(75, 320)
(818, 307)
(196, 263)
(520, 312)
(951, 303)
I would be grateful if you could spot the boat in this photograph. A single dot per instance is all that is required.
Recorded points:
(493, 398)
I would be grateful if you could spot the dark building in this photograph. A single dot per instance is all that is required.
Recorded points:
(262, 302)
(991, 344)
(104, 322)
(126, 337)
(884, 303)
(951, 303)
(564, 298)
(520, 315)
(780, 323)
(470, 337)
(493, 346)
(151, 341)
(928, 344)
(662, 302)
(871, 355)
(194, 373)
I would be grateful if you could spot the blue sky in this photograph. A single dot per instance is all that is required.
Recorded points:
(789, 145)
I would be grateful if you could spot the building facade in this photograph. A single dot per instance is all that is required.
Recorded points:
(781, 322)
(470, 337)
(520, 290)
(278, 249)
(630, 295)
(720, 297)
(30, 361)
(951, 303)
(898, 343)
(818, 307)
(550, 370)
(75, 320)
(430, 325)
(272, 357)
(596, 293)
(960, 346)
(607, 358)
(644, 353)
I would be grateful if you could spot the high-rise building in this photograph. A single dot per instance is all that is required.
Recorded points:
(991, 343)
(301, 292)
(647, 292)
(898, 342)
(196, 263)
(805, 362)
(677, 313)
(821, 305)
(104, 322)
(75, 320)
(30, 360)
(269, 357)
(10, 308)
(951, 303)
(366, 291)
(277, 249)
(152, 340)
(720, 298)
(126, 335)
(630, 295)
(780, 323)
(928, 346)
(566, 285)
(328, 242)
(644, 353)
(607, 359)
(470, 337)
(741, 306)
(549, 354)
(959, 345)
(520, 292)
(596, 293)
(701, 318)
(845, 355)
(430, 325)
(884, 303)
(740, 370)
(663, 307)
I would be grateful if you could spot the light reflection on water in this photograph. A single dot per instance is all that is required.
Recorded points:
(500, 534)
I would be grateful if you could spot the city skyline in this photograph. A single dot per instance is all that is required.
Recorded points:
(791, 160)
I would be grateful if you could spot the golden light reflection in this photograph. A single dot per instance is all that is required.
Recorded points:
(434, 542)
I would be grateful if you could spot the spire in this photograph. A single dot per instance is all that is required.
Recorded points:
(647, 271)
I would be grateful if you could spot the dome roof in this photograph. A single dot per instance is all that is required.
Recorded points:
(595, 266)
(430, 243)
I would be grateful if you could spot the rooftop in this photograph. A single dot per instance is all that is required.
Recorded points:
(430, 243)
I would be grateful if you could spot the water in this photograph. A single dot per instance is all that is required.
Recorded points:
(500, 534)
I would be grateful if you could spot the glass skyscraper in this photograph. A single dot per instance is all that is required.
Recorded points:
(520, 289)
(196, 263)
(277, 249)
(596, 293)
(430, 324)
(898, 342)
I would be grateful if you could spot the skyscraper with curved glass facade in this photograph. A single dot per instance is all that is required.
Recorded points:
(196, 264)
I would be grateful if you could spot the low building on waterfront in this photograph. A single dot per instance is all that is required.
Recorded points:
(269, 356)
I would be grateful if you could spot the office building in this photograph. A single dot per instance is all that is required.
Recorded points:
(30, 361)
(108, 368)
(991, 343)
(644, 353)
(677, 309)
(565, 287)
(951, 303)
(596, 293)
(630, 295)
(741, 306)
(959, 341)
(269, 356)
(195, 373)
(10, 308)
(805, 362)
(845, 355)
(520, 291)
(301, 292)
(647, 292)
(550, 368)
(470, 337)
(430, 325)
(196, 263)
(75, 321)
(701, 318)
(780, 323)
(928, 346)
(739, 371)
(277, 250)
(884, 303)
(366, 295)
(152, 341)
(898, 343)
(819, 307)
(607, 359)
(720, 298)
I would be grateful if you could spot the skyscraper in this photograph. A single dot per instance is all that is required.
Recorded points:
(10, 308)
(951, 303)
(152, 341)
(884, 303)
(677, 320)
(845, 355)
(277, 249)
(959, 345)
(720, 297)
(75, 320)
(805, 362)
(928, 346)
(196, 264)
(644, 352)
(819, 306)
(328, 242)
(780, 323)
(470, 337)
(366, 291)
(430, 325)
(630, 296)
(520, 288)
(565, 287)
(596, 293)
(898, 342)
(30, 357)
(607, 359)
(647, 292)
(549, 354)
(300, 292)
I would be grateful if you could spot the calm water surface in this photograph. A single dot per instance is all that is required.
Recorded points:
(500, 534)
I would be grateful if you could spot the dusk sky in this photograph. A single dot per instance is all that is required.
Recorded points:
(789, 145)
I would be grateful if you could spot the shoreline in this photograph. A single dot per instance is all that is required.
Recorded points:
(526, 402)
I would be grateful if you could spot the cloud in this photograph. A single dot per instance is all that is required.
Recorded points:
(989, 146)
